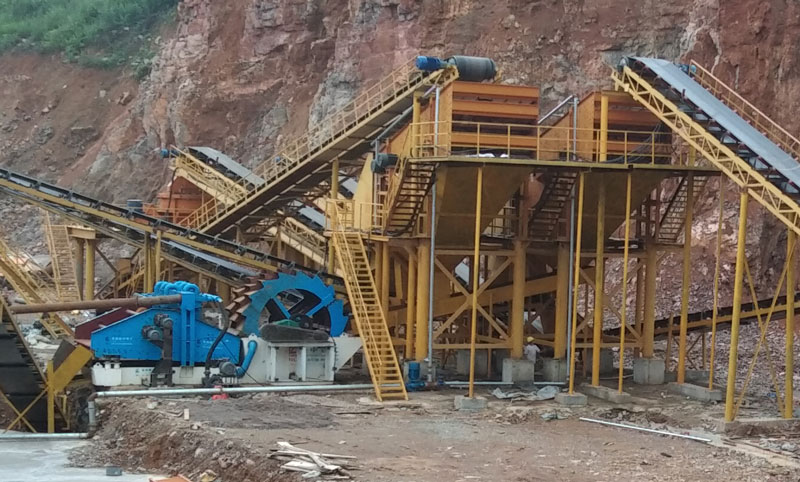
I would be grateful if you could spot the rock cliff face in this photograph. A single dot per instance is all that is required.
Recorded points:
(244, 76)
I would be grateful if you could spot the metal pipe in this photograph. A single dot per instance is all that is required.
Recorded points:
(687, 260)
(232, 390)
(788, 409)
(715, 309)
(459, 383)
(42, 436)
(137, 301)
(475, 278)
(555, 109)
(430, 279)
(574, 128)
(649, 430)
(624, 308)
(575, 280)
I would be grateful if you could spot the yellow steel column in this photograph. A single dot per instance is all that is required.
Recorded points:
(416, 113)
(648, 330)
(88, 285)
(79, 264)
(157, 258)
(423, 290)
(603, 128)
(599, 282)
(147, 256)
(562, 302)
(334, 195)
(576, 283)
(411, 303)
(386, 266)
(715, 303)
(51, 399)
(624, 308)
(518, 300)
(738, 276)
(687, 259)
(788, 411)
(475, 278)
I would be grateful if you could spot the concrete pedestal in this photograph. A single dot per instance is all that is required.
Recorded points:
(696, 392)
(605, 393)
(606, 361)
(574, 400)
(648, 371)
(462, 362)
(698, 377)
(465, 403)
(516, 371)
(555, 369)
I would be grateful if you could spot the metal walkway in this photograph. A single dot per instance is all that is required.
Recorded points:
(192, 249)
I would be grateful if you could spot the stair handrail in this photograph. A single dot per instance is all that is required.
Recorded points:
(328, 130)
(744, 108)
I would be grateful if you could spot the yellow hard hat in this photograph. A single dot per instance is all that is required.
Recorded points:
(530, 339)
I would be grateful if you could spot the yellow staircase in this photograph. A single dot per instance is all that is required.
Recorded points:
(62, 260)
(33, 287)
(409, 187)
(673, 219)
(387, 377)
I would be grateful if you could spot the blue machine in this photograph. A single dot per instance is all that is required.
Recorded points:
(141, 336)
(287, 296)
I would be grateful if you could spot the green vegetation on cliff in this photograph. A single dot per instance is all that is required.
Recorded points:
(100, 33)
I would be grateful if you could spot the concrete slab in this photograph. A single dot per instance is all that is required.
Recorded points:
(464, 403)
(555, 370)
(518, 371)
(752, 427)
(573, 400)
(696, 392)
(608, 394)
(648, 371)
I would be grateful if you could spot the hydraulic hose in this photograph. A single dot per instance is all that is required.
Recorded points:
(217, 340)
(252, 346)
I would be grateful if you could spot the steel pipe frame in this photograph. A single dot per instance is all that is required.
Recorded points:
(686, 277)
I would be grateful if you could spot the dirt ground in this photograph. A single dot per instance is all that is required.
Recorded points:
(426, 440)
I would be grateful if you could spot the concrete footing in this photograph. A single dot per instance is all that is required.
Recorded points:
(760, 426)
(571, 400)
(518, 371)
(462, 362)
(605, 393)
(698, 377)
(464, 403)
(606, 361)
(696, 392)
(648, 371)
(555, 369)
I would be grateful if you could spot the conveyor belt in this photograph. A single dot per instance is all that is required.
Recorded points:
(749, 314)
(21, 379)
(733, 125)
(132, 227)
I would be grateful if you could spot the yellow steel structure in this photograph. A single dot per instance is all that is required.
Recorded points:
(351, 255)
(62, 260)
(721, 156)
(34, 286)
(338, 133)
